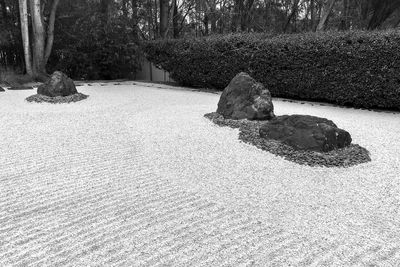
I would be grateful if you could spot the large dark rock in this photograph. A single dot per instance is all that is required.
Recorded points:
(57, 85)
(244, 98)
(305, 132)
(1, 89)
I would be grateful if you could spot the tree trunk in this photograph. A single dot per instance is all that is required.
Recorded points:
(344, 22)
(135, 29)
(365, 7)
(175, 19)
(23, 12)
(267, 15)
(244, 20)
(211, 14)
(164, 5)
(221, 22)
(292, 15)
(39, 67)
(382, 10)
(205, 22)
(151, 28)
(155, 19)
(50, 31)
(397, 21)
(312, 10)
(4, 11)
(325, 14)
(213, 21)
(237, 11)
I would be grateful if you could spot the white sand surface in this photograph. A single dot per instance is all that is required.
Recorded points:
(136, 176)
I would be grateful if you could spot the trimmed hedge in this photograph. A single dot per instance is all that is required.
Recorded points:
(360, 69)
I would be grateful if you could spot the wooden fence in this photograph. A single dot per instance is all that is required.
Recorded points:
(150, 72)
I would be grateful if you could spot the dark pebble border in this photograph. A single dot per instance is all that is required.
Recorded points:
(249, 133)
(57, 99)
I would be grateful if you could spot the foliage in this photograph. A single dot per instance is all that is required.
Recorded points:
(348, 68)
(111, 29)
(97, 51)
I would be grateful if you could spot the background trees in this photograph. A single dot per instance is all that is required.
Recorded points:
(49, 33)
(205, 17)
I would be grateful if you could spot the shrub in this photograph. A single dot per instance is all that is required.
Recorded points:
(361, 69)
(97, 51)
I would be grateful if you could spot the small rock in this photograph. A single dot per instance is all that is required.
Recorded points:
(58, 84)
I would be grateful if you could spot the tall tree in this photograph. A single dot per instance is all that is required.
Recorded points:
(175, 19)
(325, 14)
(41, 38)
(38, 47)
(236, 17)
(245, 18)
(135, 19)
(164, 6)
(50, 30)
(344, 23)
(23, 10)
(211, 6)
(312, 11)
(382, 9)
(4, 11)
(293, 14)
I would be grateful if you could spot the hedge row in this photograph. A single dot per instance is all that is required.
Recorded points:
(360, 69)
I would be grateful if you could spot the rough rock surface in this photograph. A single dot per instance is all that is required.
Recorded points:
(244, 98)
(58, 84)
(306, 132)
(249, 133)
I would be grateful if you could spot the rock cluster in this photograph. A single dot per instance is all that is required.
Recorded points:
(249, 133)
(247, 105)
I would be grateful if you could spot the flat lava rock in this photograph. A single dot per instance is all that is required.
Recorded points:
(38, 98)
(305, 132)
(249, 133)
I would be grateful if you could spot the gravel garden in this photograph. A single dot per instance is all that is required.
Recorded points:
(136, 175)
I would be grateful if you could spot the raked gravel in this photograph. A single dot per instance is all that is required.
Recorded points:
(136, 176)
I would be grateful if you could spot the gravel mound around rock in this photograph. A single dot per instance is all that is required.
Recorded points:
(20, 88)
(57, 99)
(249, 133)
